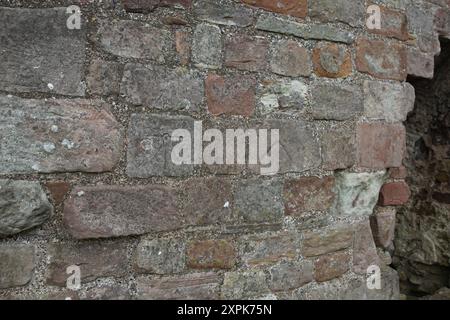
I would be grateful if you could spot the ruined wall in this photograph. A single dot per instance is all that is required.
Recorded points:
(85, 122)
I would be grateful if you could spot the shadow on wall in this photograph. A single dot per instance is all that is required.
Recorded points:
(422, 242)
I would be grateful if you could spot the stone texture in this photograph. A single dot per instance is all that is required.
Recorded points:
(394, 194)
(211, 254)
(150, 145)
(230, 95)
(207, 46)
(17, 264)
(317, 32)
(338, 148)
(162, 88)
(364, 250)
(331, 266)
(145, 6)
(23, 205)
(299, 147)
(336, 102)
(398, 173)
(57, 136)
(357, 193)
(393, 24)
(296, 8)
(204, 200)
(133, 39)
(244, 284)
(268, 249)
(289, 58)
(332, 60)
(381, 59)
(290, 275)
(246, 53)
(388, 101)
(58, 190)
(183, 46)
(259, 201)
(351, 12)
(196, 286)
(283, 95)
(104, 78)
(320, 243)
(420, 64)
(381, 145)
(382, 223)
(308, 194)
(214, 11)
(39, 53)
(113, 211)
(95, 260)
(160, 256)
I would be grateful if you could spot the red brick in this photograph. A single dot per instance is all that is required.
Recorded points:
(296, 8)
(394, 194)
(331, 266)
(332, 61)
(58, 190)
(218, 254)
(231, 95)
(247, 53)
(381, 59)
(381, 145)
(393, 24)
(308, 194)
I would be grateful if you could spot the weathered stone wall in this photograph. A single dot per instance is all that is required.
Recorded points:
(86, 175)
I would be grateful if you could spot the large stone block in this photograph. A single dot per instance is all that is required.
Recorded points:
(17, 264)
(57, 136)
(39, 53)
(23, 205)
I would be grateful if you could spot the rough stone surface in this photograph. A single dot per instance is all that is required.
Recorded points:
(259, 200)
(244, 284)
(420, 64)
(230, 95)
(95, 260)
(351, 12)
(357, 193)
(150, 145)
(283, 95)
(393, 24)
(104, 78)
(196, 286)
(289, 58)
(162, 88)
(17, 264)
(316, 244)
(308, 194)
(296, 8)
(336, 102)
(246, 53)
(160, 256)
(215, 12)
(394, 194)
(290, 275)
(382, 223)
(381, 145)
(388, 101)
(145, 6)
(207, 46)
(133, 39)
(58, 190)
(331, 266)
(318, 32)
(112, 211)
(39, 53)
(57, 136)
(338, 148)
(23, 205)
(211, 254)
(381, 60)
(332, 60)
(364, 250)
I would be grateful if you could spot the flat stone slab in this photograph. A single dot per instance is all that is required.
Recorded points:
(38, 53)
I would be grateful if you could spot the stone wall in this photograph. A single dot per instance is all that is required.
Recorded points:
(85, 122)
